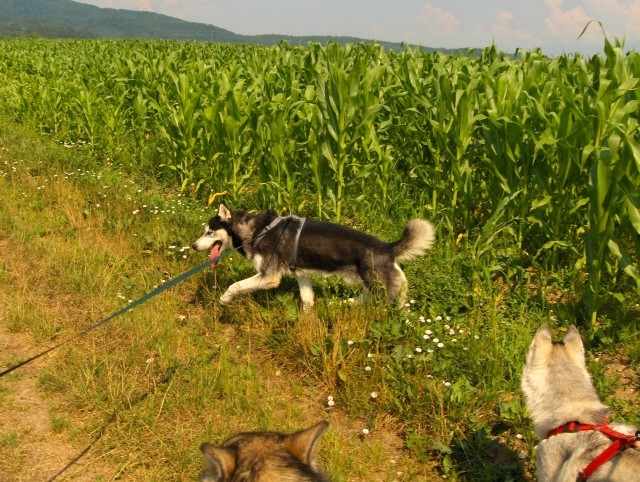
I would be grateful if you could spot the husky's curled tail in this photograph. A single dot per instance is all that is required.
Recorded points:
(418, 236)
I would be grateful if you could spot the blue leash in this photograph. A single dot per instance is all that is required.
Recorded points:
(129, 307)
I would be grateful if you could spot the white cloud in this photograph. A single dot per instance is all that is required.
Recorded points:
(567, 24)
(439, 21)
(617, 15)
(503, 29)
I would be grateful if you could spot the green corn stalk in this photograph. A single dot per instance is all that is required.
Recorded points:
(180, 109)
(452, 135)
(612, 192)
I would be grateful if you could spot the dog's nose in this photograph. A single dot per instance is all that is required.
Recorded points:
(193, 246)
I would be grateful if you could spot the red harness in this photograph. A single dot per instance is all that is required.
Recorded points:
(620, 442)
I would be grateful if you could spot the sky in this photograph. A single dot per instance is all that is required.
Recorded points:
(552, 25)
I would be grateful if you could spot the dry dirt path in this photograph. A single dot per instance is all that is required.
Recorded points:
(30, 448)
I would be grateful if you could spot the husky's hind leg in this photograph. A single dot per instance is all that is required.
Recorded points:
(387, 279)
(397, 288)
(306, 291)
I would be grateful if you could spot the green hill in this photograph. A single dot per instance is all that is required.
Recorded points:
(66, 18)
(69, 19)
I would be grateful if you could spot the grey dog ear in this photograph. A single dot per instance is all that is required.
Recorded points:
(574, 346)
(541, 346)
(224, 213)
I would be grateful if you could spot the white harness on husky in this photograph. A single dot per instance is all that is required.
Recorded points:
(276, 222)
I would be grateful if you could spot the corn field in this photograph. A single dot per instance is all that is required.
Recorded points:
(534, 161)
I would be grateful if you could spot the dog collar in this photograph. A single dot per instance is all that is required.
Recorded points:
(620, 442)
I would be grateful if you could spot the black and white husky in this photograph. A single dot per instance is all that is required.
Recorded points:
(279, 245)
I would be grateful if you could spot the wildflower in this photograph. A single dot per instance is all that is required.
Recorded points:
(350, 342)
(476, 337)
(447, 384)
(330, 401)
(367, 368)
(519, 436)
(365, 431)
(436, 340)
(426, 337)
(440, 345)
(428, 332)
(438, 318)
(418, 350)
(374, 395)
(369, 355)
(522, 456)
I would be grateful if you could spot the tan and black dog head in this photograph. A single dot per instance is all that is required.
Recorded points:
(264, 456)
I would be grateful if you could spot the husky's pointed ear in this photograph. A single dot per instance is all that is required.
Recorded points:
(574, 346)
(219, 463)
(303, 444)
(540, 347)
(224, 213)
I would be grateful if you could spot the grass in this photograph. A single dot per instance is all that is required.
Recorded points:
(81, 237)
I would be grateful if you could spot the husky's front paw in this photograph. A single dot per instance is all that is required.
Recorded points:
(225, 300)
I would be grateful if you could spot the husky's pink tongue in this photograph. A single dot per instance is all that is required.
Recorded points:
(215, 252)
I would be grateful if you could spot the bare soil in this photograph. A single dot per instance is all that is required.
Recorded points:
(30, 448)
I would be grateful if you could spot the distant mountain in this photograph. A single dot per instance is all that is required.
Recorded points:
(69, 19)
